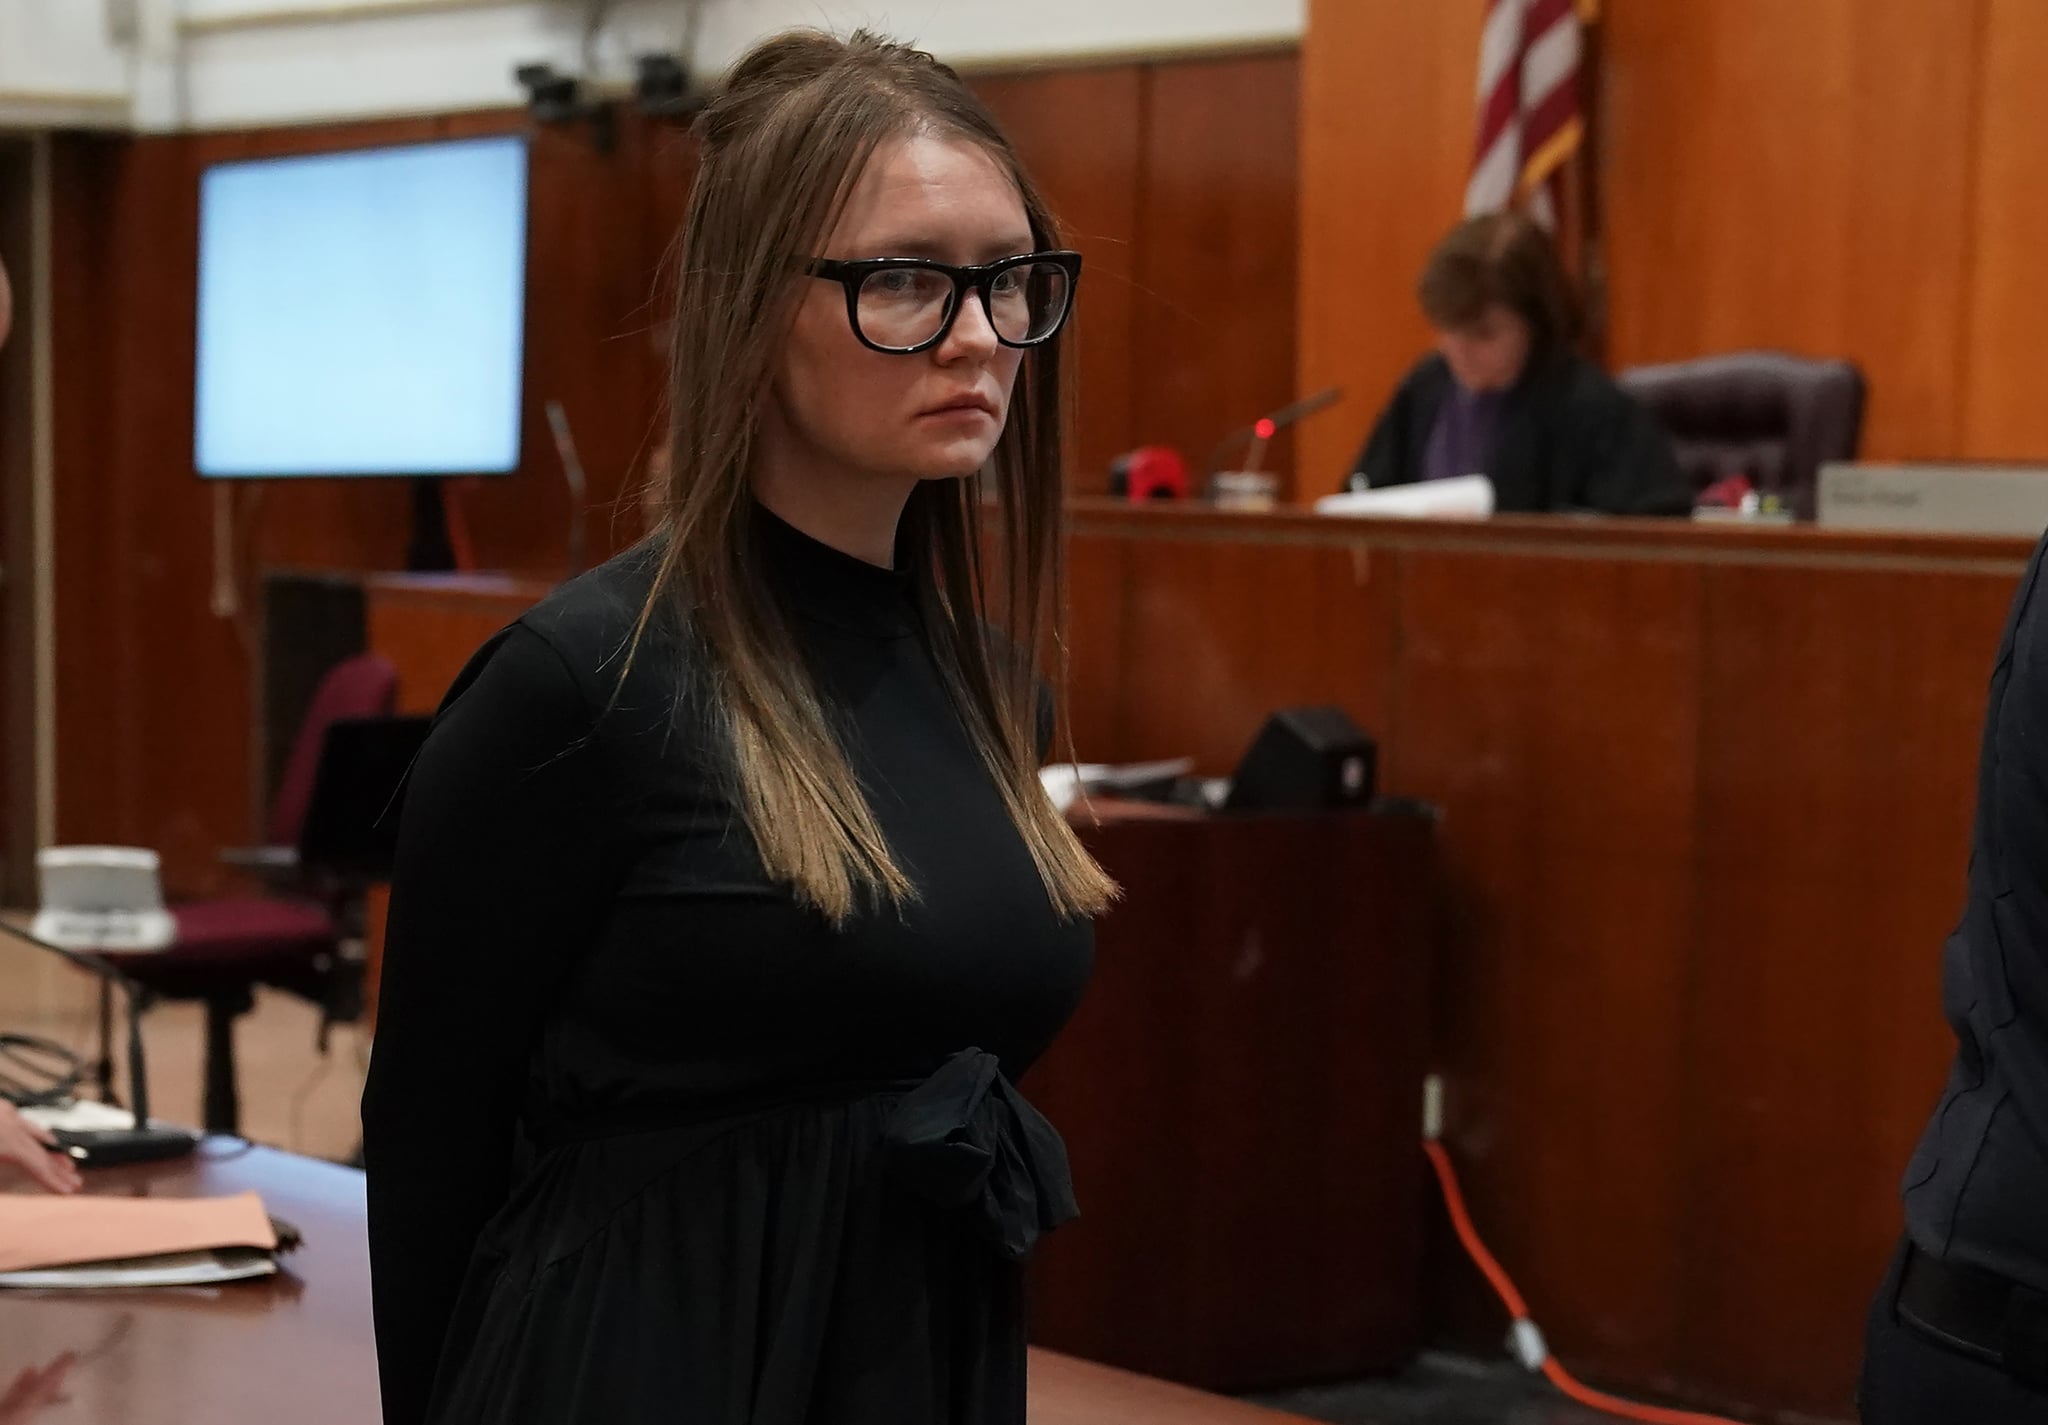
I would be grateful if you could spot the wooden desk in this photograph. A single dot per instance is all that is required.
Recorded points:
(1241, 1097)
(299, 1348)
(1706, 796)
(296, 1347)
(429, 624)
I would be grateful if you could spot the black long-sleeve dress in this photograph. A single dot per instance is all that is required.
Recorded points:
(647, 1141)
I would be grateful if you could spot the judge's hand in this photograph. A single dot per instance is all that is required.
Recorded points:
(25, 1147)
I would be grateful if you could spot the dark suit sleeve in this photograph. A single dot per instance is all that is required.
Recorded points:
(498, 879)
(1621, 457)
(1384, 459)
(2017, 784)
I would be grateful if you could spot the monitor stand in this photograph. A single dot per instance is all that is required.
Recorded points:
(429, 551)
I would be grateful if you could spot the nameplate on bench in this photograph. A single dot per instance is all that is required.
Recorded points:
(1935, 499)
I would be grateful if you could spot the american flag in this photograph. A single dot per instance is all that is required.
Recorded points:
(1531, 119)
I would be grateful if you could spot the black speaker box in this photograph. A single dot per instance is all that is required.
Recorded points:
(1306, 759)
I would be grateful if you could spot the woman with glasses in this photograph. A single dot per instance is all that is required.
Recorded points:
(728, 907)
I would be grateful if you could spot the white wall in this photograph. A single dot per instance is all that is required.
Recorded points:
(234, 63)
(59, 66)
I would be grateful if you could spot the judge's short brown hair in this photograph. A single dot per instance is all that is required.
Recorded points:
(1507, 259)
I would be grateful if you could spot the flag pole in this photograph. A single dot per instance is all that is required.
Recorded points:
(1588, 212)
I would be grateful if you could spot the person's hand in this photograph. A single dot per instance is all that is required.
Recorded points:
(30, 1148)
(34, 1388)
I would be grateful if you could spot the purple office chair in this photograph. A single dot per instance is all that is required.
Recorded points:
(291, 938)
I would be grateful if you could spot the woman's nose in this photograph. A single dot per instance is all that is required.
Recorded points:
(972, 335)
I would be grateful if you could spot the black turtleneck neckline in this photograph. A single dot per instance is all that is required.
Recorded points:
(830, 586)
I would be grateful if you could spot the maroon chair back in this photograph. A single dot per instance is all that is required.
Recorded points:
(363, 686)
(1766, 415)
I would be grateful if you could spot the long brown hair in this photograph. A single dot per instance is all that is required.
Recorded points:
(780, 147)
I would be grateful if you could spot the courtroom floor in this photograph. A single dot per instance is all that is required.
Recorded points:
(294, 1098)
(1439, 1389)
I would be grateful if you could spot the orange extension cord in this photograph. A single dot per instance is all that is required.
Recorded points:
(1528, 1341)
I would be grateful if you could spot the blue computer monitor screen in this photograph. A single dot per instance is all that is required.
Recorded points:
(363, 313)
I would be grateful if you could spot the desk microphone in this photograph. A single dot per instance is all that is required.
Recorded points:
(146, 1140)
(1266, 427)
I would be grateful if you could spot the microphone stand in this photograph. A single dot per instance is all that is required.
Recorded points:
(144, 1141)
(1246, 487)
(1265, 428)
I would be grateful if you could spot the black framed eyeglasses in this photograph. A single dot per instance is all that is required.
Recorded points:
(903, 305)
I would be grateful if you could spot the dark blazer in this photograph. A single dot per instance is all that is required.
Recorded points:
(1977, 1188)
(1569, 439)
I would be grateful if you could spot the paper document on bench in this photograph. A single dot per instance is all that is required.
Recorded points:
(1065, 781)
(174, 1269)
(1466, 497)
(39, 1232)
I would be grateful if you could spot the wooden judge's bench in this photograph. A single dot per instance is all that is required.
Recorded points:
(1706, 796)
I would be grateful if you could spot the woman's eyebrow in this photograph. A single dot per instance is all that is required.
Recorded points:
(940, 252)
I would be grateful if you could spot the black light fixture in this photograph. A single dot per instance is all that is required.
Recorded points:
(661, 86)
(553, 97)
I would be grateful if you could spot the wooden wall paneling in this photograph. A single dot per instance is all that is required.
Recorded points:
(668, 157)
(328, 524)
(429, 625)
(152, 719)
(376, 924)
(1548, 706)
(1837, 780)
(668, 167)
(18, 611)
(1092, 693)
(589, 290)
(1079, 133)
(154, 727)
(1798, 176)
(1214, 326)
(1386, 143)
(97, 760)
(2004, 417)
(1220, 633)
(192, 717)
